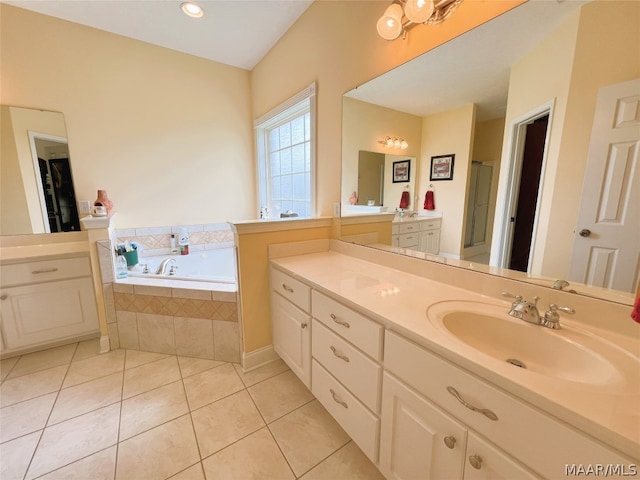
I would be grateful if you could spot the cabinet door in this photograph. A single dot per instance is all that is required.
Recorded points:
(41, 313)
(430, 241)
(292, 337)
(486, 462)
(417, 439)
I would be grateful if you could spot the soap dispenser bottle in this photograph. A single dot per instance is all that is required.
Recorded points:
(184, 241)
(121, 266)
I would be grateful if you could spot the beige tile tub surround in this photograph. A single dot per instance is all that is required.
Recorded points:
(176, 321)
(162, 416)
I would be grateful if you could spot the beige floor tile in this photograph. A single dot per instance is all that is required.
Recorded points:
(262, 373)
(135, 358)
(6, 364)
(190, 366)
(280, 395)
(86, 397)
(16, 455)
(14, 390)
(74, 439)
(43, 360)
(99, 466)
(25, 417)
(194, 472)
(307, 436)
(95, 367)
(223, 422)
(149, 376)
(255, 457)
(212, 385)
(152, 408)
(87, 349)
(348, 462)
(158, 453)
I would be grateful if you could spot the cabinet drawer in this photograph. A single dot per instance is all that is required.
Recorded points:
(356, 371)
(290, 288)
(45, 271)
(409, 227)
(361, 425)
(357, 329)
(410, 240)
(431, 224)
(539, 441)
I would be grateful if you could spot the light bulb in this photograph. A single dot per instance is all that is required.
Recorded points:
(390, 24)
(403, 144)
(418, 11)
(396, 143)
(389, 142)
(192, 9)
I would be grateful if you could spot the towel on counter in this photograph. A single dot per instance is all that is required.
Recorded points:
(429, 202)
(404, 200)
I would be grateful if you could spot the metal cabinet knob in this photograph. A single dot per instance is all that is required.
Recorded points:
(303, 325)
(475, 461)
(4, 296)
(450, 441)
(585, 232)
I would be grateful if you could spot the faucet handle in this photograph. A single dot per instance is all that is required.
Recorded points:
(551, 317)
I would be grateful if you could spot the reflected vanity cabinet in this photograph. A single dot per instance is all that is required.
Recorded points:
(422, 234)
(46, 302)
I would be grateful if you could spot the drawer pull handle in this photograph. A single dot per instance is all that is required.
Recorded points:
(287, 288)
(339, 322)
(4, 296)
(48, 270)
(303, 325)
(337, 400)
(485, 411)
(476, 461)
(450, 441)
(339, 355)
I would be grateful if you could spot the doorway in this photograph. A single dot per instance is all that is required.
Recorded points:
(527, 197)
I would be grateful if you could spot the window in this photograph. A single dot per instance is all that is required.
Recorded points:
(286, 156)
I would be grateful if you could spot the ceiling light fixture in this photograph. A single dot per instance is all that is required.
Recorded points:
(394, 142)
(402, 15)
(192, 9)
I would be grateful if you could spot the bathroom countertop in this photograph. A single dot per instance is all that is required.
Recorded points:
(422, 216)
(400, 300)
(12, 254)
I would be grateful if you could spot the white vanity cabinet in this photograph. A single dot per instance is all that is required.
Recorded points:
(422, 234)
(346, 369)
(291, 323)
(46, 302)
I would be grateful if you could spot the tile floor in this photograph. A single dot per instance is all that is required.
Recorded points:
(70, 413)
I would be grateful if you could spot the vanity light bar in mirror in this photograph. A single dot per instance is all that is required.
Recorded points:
(394, 142)
(402, 15)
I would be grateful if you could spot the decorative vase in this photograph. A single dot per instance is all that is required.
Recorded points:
(103, 199)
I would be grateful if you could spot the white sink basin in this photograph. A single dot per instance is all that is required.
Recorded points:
(566, 354)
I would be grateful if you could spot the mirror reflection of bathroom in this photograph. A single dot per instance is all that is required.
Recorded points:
(477, 216)
(55, 182)
(370, 178)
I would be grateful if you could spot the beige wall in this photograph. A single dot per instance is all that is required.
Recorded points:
(364, 125)
(443, 134)
(168, 135)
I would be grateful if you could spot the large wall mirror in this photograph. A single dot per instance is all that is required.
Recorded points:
(37, 195)
(529, 104)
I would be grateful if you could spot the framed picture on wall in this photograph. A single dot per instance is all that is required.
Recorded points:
(401, 171)
(442, 167)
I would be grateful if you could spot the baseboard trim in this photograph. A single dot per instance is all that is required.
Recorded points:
(258, 358)
(105, 345)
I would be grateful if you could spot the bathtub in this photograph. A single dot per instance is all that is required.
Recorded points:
(212, 266)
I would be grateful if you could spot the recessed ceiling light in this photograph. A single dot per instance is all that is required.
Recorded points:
(192, 9)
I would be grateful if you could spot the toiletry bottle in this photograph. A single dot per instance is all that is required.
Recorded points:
(172, 242)
(121, 266)
(184, 241)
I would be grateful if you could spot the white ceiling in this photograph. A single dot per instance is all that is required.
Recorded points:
(473, 68)
(234, 32)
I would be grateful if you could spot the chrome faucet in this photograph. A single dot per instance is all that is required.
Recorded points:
(562, 285)
(163, 265)
(528, 311)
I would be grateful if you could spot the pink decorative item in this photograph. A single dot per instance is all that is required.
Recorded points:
(103, 199)
(353, 200)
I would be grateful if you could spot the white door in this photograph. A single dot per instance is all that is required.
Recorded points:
(486, 462)
(292, 337)
(606, 249)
